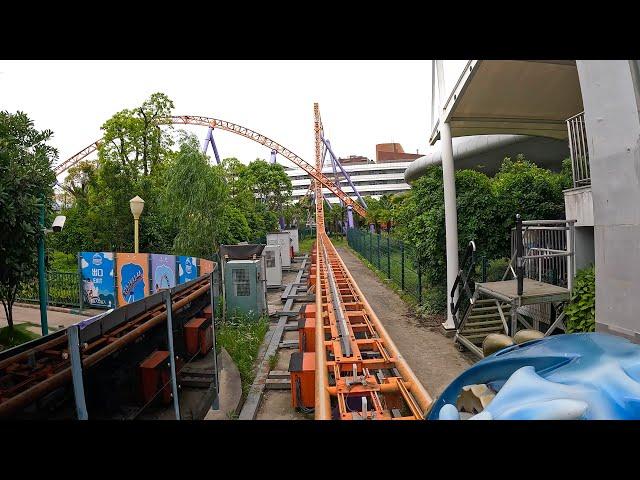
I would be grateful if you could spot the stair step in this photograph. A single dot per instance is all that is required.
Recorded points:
(497, 328)
(483, 323)
(487, 315)
(485, 301)
(493, 308)
(480, 336)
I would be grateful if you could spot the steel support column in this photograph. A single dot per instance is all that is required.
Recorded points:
(449, 183)
(172, 357)
(350, 224)
(76, 372)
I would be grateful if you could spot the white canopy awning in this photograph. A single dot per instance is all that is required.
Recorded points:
(522, 97)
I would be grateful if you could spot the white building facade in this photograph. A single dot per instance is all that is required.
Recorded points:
(370, 179)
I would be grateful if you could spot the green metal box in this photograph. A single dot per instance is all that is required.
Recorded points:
(245, 287)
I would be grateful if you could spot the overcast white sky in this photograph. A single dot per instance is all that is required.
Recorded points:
(361, 102)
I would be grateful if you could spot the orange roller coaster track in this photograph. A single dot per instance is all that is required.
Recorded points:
(314, 172)
(359, 372)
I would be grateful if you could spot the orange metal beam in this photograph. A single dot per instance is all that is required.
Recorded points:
(314, 172)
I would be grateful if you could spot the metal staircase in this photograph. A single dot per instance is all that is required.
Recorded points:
(484, 316)
(542, 267)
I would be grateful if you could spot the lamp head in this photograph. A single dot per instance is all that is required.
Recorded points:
(137, 205)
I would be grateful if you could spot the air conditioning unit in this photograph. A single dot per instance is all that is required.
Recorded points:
(245, 287)
(272, 257)
(283, 239)
(295, 239)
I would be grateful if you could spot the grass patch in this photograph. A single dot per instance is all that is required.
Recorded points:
(16, 336)
(242, 336)
(273, 361)
(306, 244)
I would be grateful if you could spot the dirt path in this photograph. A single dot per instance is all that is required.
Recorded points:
(432, 356)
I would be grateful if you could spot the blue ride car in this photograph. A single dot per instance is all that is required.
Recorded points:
(573, 376)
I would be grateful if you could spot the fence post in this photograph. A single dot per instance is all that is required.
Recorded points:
(484, 268)
(378, 240)
(402, 266)
(519, 255)
(370, 247)
(388, 257)
(419, 283)
(80, 281)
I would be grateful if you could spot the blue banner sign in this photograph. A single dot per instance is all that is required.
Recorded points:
(98, 285)
(187, 269)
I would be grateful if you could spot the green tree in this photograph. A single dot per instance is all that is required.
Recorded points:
(131, 161)
(134, 139)
(26, 179)
(195, 199)
(270, 183)
(533, 192)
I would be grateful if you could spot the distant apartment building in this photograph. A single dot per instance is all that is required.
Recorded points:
(384, 176)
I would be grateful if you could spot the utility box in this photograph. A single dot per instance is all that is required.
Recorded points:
(272, 257)
(155, 371)
(302, 369)
(198, 336)
(284, 240)
(245, 287)
(307, 328)
(295, 239)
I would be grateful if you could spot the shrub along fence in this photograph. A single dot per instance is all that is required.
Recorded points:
(393, 258)
(398, 262)
(63, 289)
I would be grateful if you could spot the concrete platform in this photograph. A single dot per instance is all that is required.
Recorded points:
(230, 389)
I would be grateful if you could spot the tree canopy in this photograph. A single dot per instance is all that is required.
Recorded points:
(191, 205)
(26, 181)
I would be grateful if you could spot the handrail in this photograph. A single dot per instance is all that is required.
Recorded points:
(464, 279)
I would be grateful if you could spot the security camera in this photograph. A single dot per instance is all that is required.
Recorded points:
(58, 223)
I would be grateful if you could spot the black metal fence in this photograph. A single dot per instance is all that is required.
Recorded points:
(396, 260)
(63, 289)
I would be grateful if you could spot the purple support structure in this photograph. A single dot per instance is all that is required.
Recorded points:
(372, 228)
(273, 156)
(205, 144)
(350, 225)
(344, 172)
(333, 164)
(209, 139)
(282, 224)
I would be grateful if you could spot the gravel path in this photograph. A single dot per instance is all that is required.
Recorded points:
(432, 356)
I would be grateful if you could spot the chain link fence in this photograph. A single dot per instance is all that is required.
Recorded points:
(63, 289)
(393, 258)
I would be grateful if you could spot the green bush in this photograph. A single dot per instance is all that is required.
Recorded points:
(495, 269)
(581, 311)
(434, 300)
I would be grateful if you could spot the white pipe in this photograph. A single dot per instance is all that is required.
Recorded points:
(449, 184)
(450, 216)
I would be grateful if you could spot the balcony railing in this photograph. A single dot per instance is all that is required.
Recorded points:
(579, 148)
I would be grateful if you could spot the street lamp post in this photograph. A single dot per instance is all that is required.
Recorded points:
(58, 224)
(137, 205)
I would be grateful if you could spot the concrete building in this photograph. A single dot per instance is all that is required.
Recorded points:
(386, 176)
(592, 106)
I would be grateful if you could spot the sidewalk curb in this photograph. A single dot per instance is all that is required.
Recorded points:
(73, 311)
